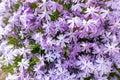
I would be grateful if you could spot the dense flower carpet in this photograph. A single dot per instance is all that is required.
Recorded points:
(60, 39)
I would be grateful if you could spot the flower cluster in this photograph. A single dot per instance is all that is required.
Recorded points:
(60, 39)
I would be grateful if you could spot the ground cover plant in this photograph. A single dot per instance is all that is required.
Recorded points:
(60, 39)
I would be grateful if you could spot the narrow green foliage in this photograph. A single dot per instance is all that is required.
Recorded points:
(32, 63)
(16, 6)
(55, 15)
(67, 6)
(36, 49)
(34, 6)
(8, 69)
(14, 41)
(6, 21)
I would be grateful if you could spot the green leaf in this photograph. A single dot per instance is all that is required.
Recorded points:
(55, 15)
(41, 31)
(6, 22)
(16, 60)
(14, 41)
(67, 6)
(32, 63)
(36, 49)
(8, 69)
(16, 6)
(34, 6)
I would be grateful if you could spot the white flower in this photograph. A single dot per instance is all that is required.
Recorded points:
(85, 65)
(50, 57)
(74, 22)
(12, 77)
(112, 48)
(45, 14)
(1, 32)
(62, 40)
(24, 64)
(103, 66)
(76, 7)
(91, 10)
(23, 51)
(38, 37)
(104, 13)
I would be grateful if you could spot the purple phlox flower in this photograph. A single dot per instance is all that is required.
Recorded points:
(74, 50)
(90, 25)
(105, 36)
(61, 72)
(45, 14)
(3, 8)
(59, 7)
(7, 53)
(38, 37)
(113, 38)
(51, 6)
(103, 66)
(112, 48)
(115, 24)
(85, 46)
(41, 59)
(57, 53)
(9, 59)
(59, 64)
(50, 57)
(97, 49)
(62, 24)
(14, 19)
(83, 34)
(114, 78)
(49, 43)
(57, 27)
(24, 64)
(62, 40)
(116, 60)
(93, 11)
(10, 3)
(69, 63)
(28, 77)
(113, 4)
(39, 77)
(101, 77)
(90, 3)
(77, 7)
(1, 32)
(48, 27)
(15, 52)
(1, 21)
(72, 35)
(23, 19)
(37, 67)
(8, 29)
(3, 44)
(85, 65)
(76, 1)
(74, 22)
(24, 51)
(71, 77)
(104, 13)
(32, 1)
